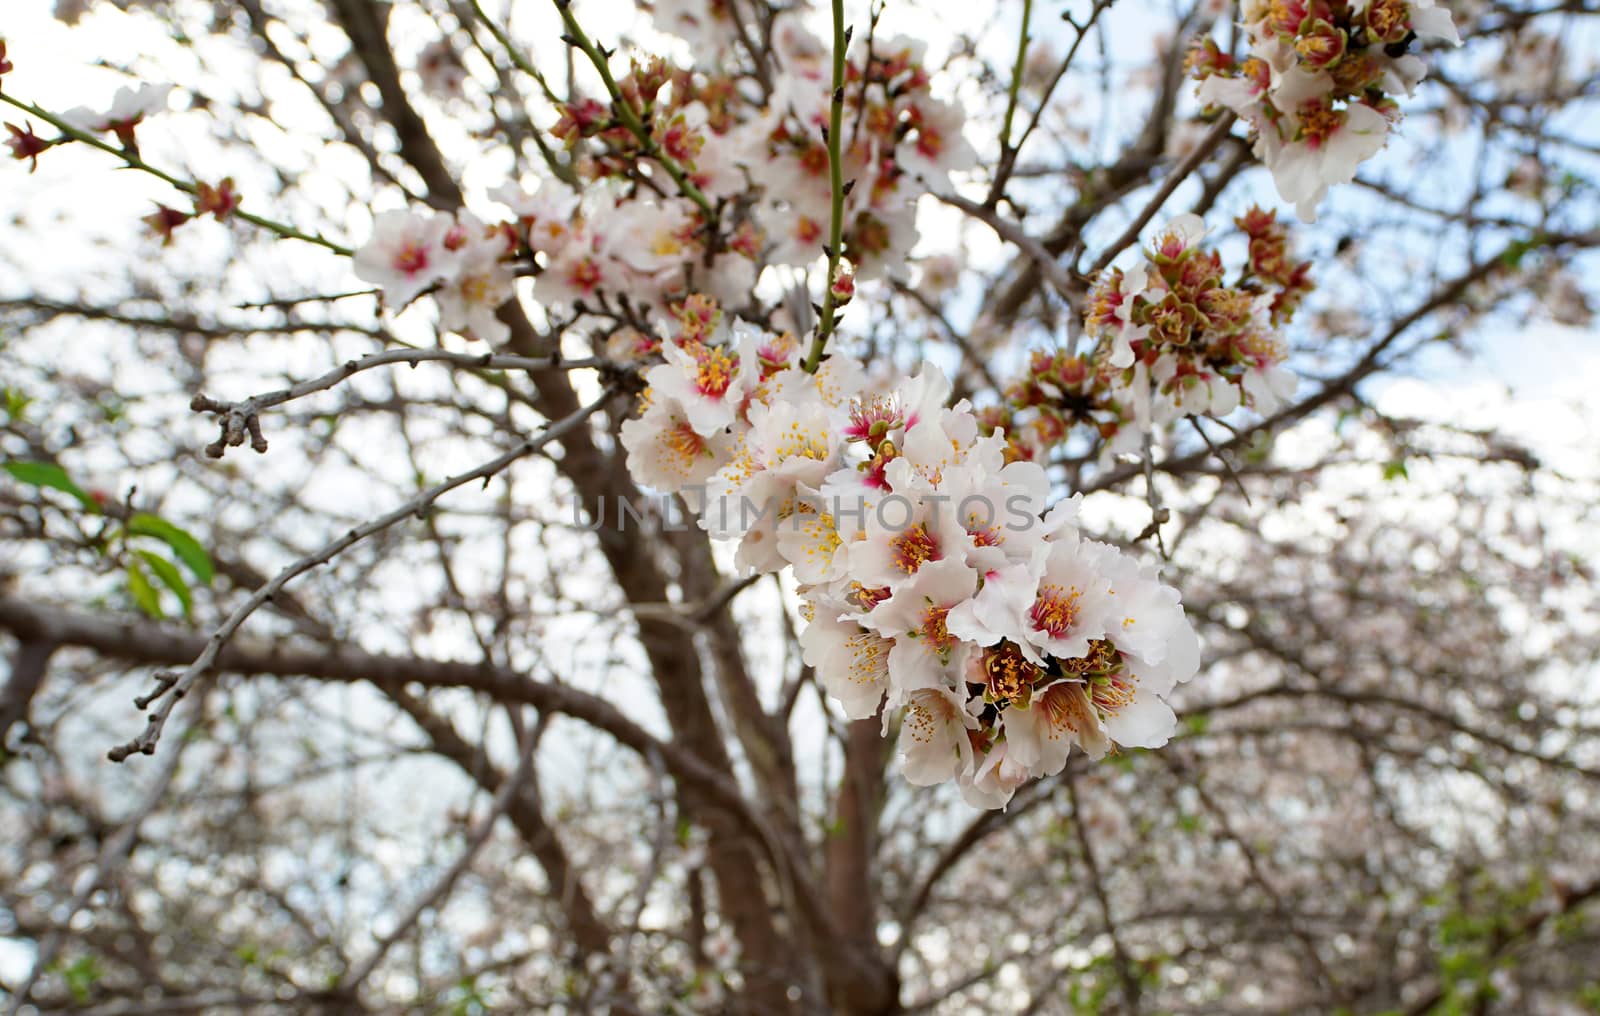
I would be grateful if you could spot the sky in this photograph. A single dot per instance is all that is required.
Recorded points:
(1538, 383)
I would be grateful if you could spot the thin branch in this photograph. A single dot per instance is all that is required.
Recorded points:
(825, 323)
(1219, 131)
(237, 418)
(173, 688)
(522, 63)
(1059, 278)
(149, 643)
(446, 882)
(1123, 962)
(1100, 7)
(1008, 153)
(184, 323)
(630, 118)
(294, 301)
(132, 160)
(961, 342)
(113, 853)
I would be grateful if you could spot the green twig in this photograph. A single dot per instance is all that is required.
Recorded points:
(523, 63)
(1016, 76)
(841, 40)
(629, 116)
(563, 172)
(133, 161)
(1009, 152)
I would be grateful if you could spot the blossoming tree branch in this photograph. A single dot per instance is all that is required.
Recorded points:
(863, 389)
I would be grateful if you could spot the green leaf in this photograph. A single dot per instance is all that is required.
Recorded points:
(81, 976)
(144, 594)
(1259, 448)
(1512, 256)
(1395, 470)
(1589, 996)
(186, 547)
(170, 577)
(16, 402)
(48, 474)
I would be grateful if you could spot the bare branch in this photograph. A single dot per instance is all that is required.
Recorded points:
(173, 688)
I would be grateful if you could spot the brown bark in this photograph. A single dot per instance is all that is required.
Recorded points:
(852, 893)
(28, 667)
(732, 856)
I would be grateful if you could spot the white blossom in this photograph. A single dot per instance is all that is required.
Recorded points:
(129, 106)
(934, 746)
(406, 254)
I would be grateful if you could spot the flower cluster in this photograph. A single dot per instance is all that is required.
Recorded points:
(1318, 86)
(604, 250)
(938, 584)
(754, 190)
(766, 164)
(614, 244)
(898, 140)
(460, 261)
(1172, 340)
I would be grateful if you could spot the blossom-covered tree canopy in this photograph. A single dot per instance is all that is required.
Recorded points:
(1057, 506)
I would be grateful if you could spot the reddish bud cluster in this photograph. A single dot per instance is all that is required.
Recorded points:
(1354, 45)
(643, 85)
(681, 141)
(892, 121)
(1271, 265)
(1185, 326)
(1206, 58)
(645, 91)
(582, 118)
(219, 202)
(698, 316)
(1062, 391)
(747, 240)
(1323, 34)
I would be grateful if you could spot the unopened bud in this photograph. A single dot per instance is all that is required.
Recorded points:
(220, 201)
(164, 221)
(651, 76)
(25, 144)
(844, 286)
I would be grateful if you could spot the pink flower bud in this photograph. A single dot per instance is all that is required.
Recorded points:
(220, 201)
(25, 144)
(164, 221)
(844, 286)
